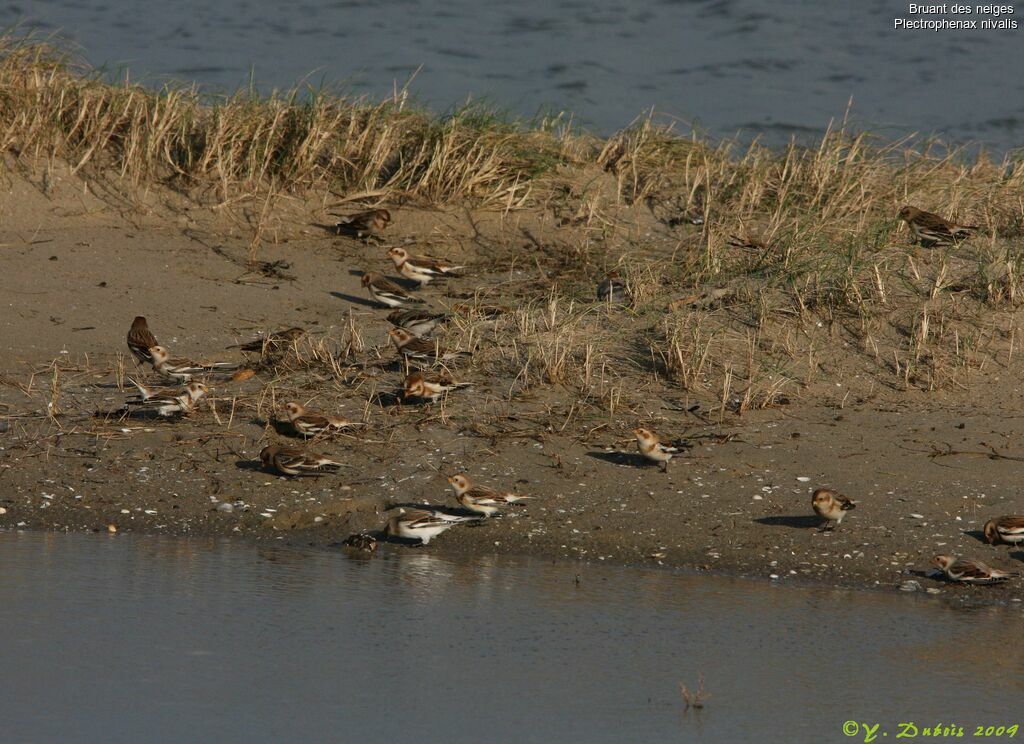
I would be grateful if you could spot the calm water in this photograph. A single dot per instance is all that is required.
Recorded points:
(782, 68)
(124, 639)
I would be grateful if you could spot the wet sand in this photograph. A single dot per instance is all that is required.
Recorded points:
(927, 469)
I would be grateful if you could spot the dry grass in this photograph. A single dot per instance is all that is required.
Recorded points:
(225, 147)
(756, 274)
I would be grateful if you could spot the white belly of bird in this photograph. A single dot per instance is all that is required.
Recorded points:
(480, 508)
(658, 454)
(425, 533)
(422, 328)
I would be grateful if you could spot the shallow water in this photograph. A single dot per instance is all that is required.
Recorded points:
(784, 69)
(123, 639)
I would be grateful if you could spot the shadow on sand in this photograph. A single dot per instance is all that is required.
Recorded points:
(629, 459)
(802, 522)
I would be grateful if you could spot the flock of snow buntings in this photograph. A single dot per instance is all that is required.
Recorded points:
(413, 325)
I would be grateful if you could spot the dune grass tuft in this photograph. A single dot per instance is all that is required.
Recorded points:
(755, 273)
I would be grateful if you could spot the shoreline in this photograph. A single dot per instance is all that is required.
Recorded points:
(931, 586)
(730, 533)
(780, 321)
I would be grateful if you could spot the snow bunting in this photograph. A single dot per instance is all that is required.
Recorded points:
(183, 369)
(968, 571)
(422, 524)
(311, 423)
(651, 448)
(481, 499)
(273, 342)
(429, 386)
(146, 392)
(831, 506)
(422, 349)
(486, 312)
(418, 322)
(1007, 529)
(363, 224)
(140, 340)
(294, 461)
(386, 292)
(931, 229)
(360, 542)
(421, 269)
(168, 406)
(613, 290)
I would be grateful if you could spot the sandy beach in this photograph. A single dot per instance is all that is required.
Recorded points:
(927, 467)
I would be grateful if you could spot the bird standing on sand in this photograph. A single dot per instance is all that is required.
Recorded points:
(141, 340)
(311, 423)
(968, 571)
(386, 292)
(421, 349)
(422, 524)
(418, 322)
(363, 224)
(178, 368)
(831, 506)
(484, 312)
(148, 393)
(1007, 529)
(481, 499)
(294, 461)
(166, 405)
(933, 230)
(273, 342)
(429, 386)
(421, 269)
(652, 448)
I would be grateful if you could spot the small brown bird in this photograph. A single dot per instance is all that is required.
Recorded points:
(421, 349)
(418, 322)
(831, 506)
(613, 290)
(294, 461)
(486, 312)
(272, 343)
(141, 340)
(1007, 529)
(181, 369)
(430, 387)
(652, 448)
(386, 292)
(311, 423)
(933, 230)
(148, 393)
(481, 499)
(421, 269)
(360, 543)
(968, 571)
(363, 224)
(170, 405)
